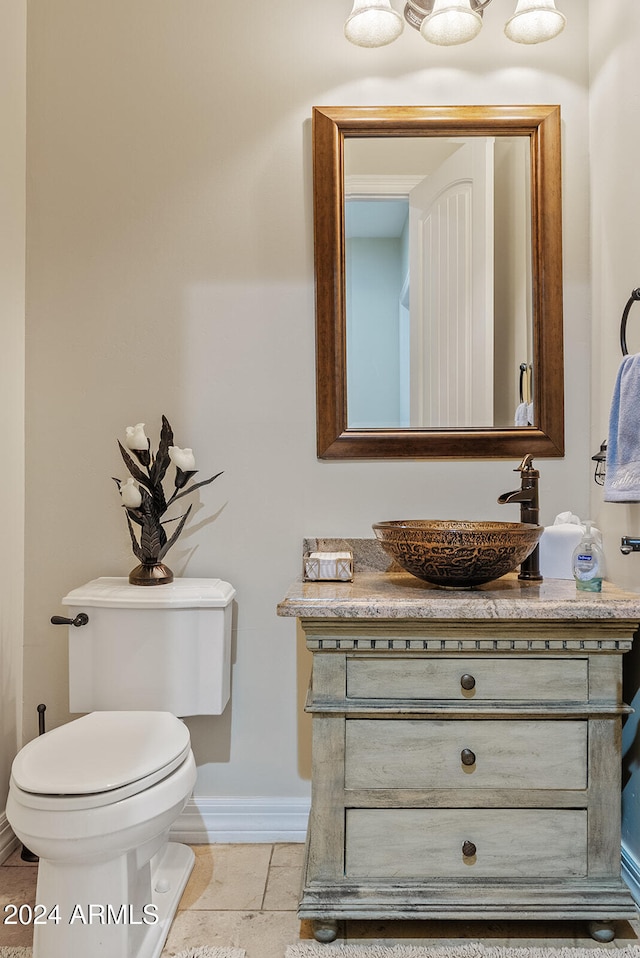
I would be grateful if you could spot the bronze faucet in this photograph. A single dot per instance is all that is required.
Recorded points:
(527, 496)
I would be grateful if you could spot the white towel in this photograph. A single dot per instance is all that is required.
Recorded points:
(524, 414)
(622, 479)
(521, 417)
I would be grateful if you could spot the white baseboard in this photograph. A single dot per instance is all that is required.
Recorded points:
(209, 820)
(215, 820)
(631, 873)
(8, 840)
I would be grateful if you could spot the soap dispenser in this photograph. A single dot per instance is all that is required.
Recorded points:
(588, 562)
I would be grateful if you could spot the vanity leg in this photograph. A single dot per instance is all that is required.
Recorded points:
(324, 929)
(602, 931)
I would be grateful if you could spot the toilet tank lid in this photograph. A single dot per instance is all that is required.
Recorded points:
(179, 594)
(100, 752)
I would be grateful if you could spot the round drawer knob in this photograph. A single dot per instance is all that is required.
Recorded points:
(467, 757)
(468, 849)
(468, 682)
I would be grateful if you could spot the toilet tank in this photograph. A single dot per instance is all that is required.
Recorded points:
(161, 647)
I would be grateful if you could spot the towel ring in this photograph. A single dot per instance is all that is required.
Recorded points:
(623, 325)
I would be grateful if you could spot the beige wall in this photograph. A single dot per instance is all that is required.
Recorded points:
(615, 146)
(12, 266)
(170, 270)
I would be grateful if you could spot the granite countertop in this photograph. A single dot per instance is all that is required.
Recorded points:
(380, 591)
(399, 595)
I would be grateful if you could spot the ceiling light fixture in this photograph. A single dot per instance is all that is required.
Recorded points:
(451, 23)
(535, 21)
(374, 23)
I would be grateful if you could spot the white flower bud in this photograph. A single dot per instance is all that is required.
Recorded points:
(182, 458)
(135, 437)
(130, 493)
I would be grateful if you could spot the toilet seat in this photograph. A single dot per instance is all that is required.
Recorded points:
(99, 759)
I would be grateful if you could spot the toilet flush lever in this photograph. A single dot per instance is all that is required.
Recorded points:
(81, 619)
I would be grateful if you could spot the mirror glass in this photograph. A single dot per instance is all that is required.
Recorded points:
(438, 282)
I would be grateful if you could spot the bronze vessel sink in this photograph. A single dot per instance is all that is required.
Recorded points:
(457, 554)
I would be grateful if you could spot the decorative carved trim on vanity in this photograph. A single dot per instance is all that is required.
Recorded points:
(477, 645)
(464, 636)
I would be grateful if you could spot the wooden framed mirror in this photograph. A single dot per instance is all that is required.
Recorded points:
(464, 346)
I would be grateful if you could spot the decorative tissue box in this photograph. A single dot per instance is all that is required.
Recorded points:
(328, 566)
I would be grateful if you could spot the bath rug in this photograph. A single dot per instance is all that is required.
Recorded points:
(470, 950)
(205, 952)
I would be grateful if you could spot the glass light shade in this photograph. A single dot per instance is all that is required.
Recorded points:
(535, 21)
(451, 23)
(373, 23)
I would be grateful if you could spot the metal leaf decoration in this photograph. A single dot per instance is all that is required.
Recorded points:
(196, 485)
(137, 551)
(134, 469)
(162, 461)
(174, 537)
(149, 502)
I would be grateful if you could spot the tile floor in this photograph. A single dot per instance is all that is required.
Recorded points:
(245, 896)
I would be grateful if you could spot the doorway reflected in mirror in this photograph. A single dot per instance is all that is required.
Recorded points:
(438, 281)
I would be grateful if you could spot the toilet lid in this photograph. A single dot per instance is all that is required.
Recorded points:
(117, 592)
(100, 752)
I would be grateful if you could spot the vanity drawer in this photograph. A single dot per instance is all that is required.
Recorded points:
(490, 678)
(409, 753)
(465, 843)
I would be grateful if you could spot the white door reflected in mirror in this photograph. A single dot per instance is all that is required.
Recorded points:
(438, 280)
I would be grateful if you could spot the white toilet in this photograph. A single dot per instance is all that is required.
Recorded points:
(95, 799)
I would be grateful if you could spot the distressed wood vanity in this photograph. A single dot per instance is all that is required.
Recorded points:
(466, 750)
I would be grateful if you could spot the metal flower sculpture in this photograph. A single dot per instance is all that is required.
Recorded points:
(144, 499)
